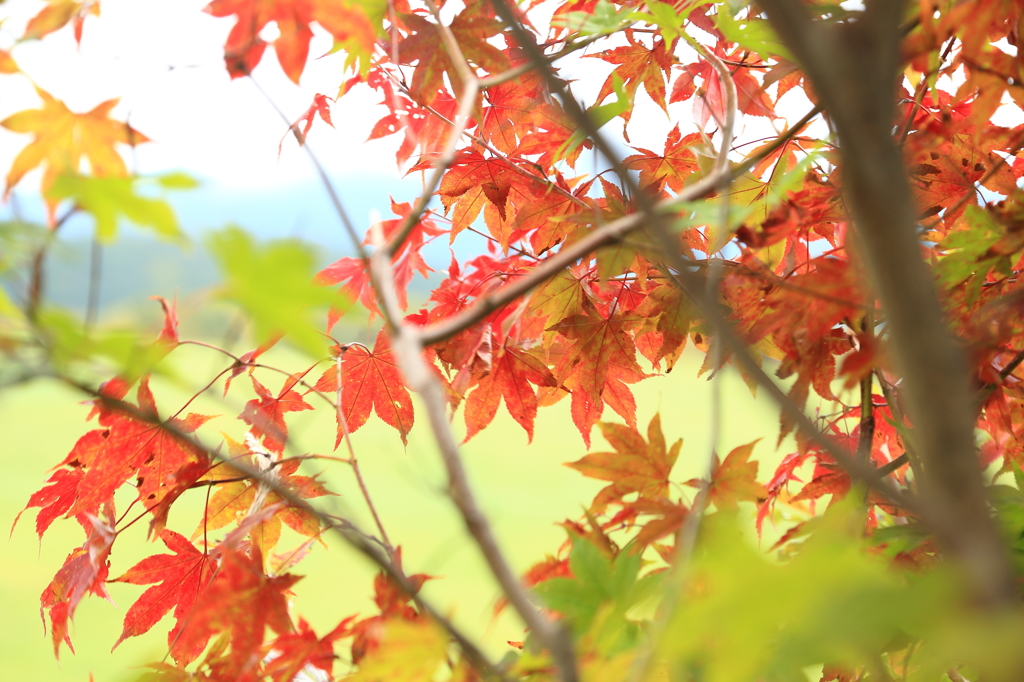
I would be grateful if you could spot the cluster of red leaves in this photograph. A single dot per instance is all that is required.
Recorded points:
(793, 290)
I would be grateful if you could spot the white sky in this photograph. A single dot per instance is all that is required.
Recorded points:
(164, 59)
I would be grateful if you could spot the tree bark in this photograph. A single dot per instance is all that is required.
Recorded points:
(853, 68)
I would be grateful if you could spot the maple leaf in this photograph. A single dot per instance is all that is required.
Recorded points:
(296, 650)
(512, 371)
(510, 116)
(667, 517)
(406, 261)
(347, 23)
(84, 571)
(546, 214)
(474, 183)
(559, 298)
(235, 498)
(266, 412)
(62, 139)
(182, 578)
(104, 459)
(242, 601)
(319, 106)
(784, 473)
(169, 333)
(734, 480)
(667, 315)
(636, 466)
(54, 500)
(597, 365)
(423, 45)
(671, 167)
(393, 603)
(371, 381)
(946, 174)
(638, 64)
(828, 479)
(59, 13)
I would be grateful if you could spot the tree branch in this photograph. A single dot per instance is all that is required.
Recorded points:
(348, 531)
(408, 348)
(853, 68)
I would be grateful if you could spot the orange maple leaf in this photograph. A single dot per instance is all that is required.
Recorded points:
(734, 480)
(512, 371)
(425, 46)
(671, 167)
(636, 466)
(597, 365)
(638, 64)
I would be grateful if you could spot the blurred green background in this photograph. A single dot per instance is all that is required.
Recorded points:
(524, 488)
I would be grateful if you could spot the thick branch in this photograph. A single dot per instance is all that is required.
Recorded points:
(853, 68)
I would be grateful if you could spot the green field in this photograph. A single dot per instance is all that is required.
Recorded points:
(524, 488)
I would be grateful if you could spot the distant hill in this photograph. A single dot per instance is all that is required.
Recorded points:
(138, 265)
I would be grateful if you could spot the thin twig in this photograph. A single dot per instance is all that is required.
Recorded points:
(354, 462)
(651, 214)
(606, 234)
(347, 530)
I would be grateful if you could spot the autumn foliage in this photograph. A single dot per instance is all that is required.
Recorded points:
(884, 319)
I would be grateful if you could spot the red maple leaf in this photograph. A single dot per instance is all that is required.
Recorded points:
(512, 371)
(296, 650)
(266, 412)
(829, 479)
(371, 381)
(84, 571)
(406, 260)
(244, 47)
(104, 459)
(242, 601)
(54, 500)
(597, 364)
(182, 577)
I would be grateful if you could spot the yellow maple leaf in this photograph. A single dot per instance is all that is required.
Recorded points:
(62, 139)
